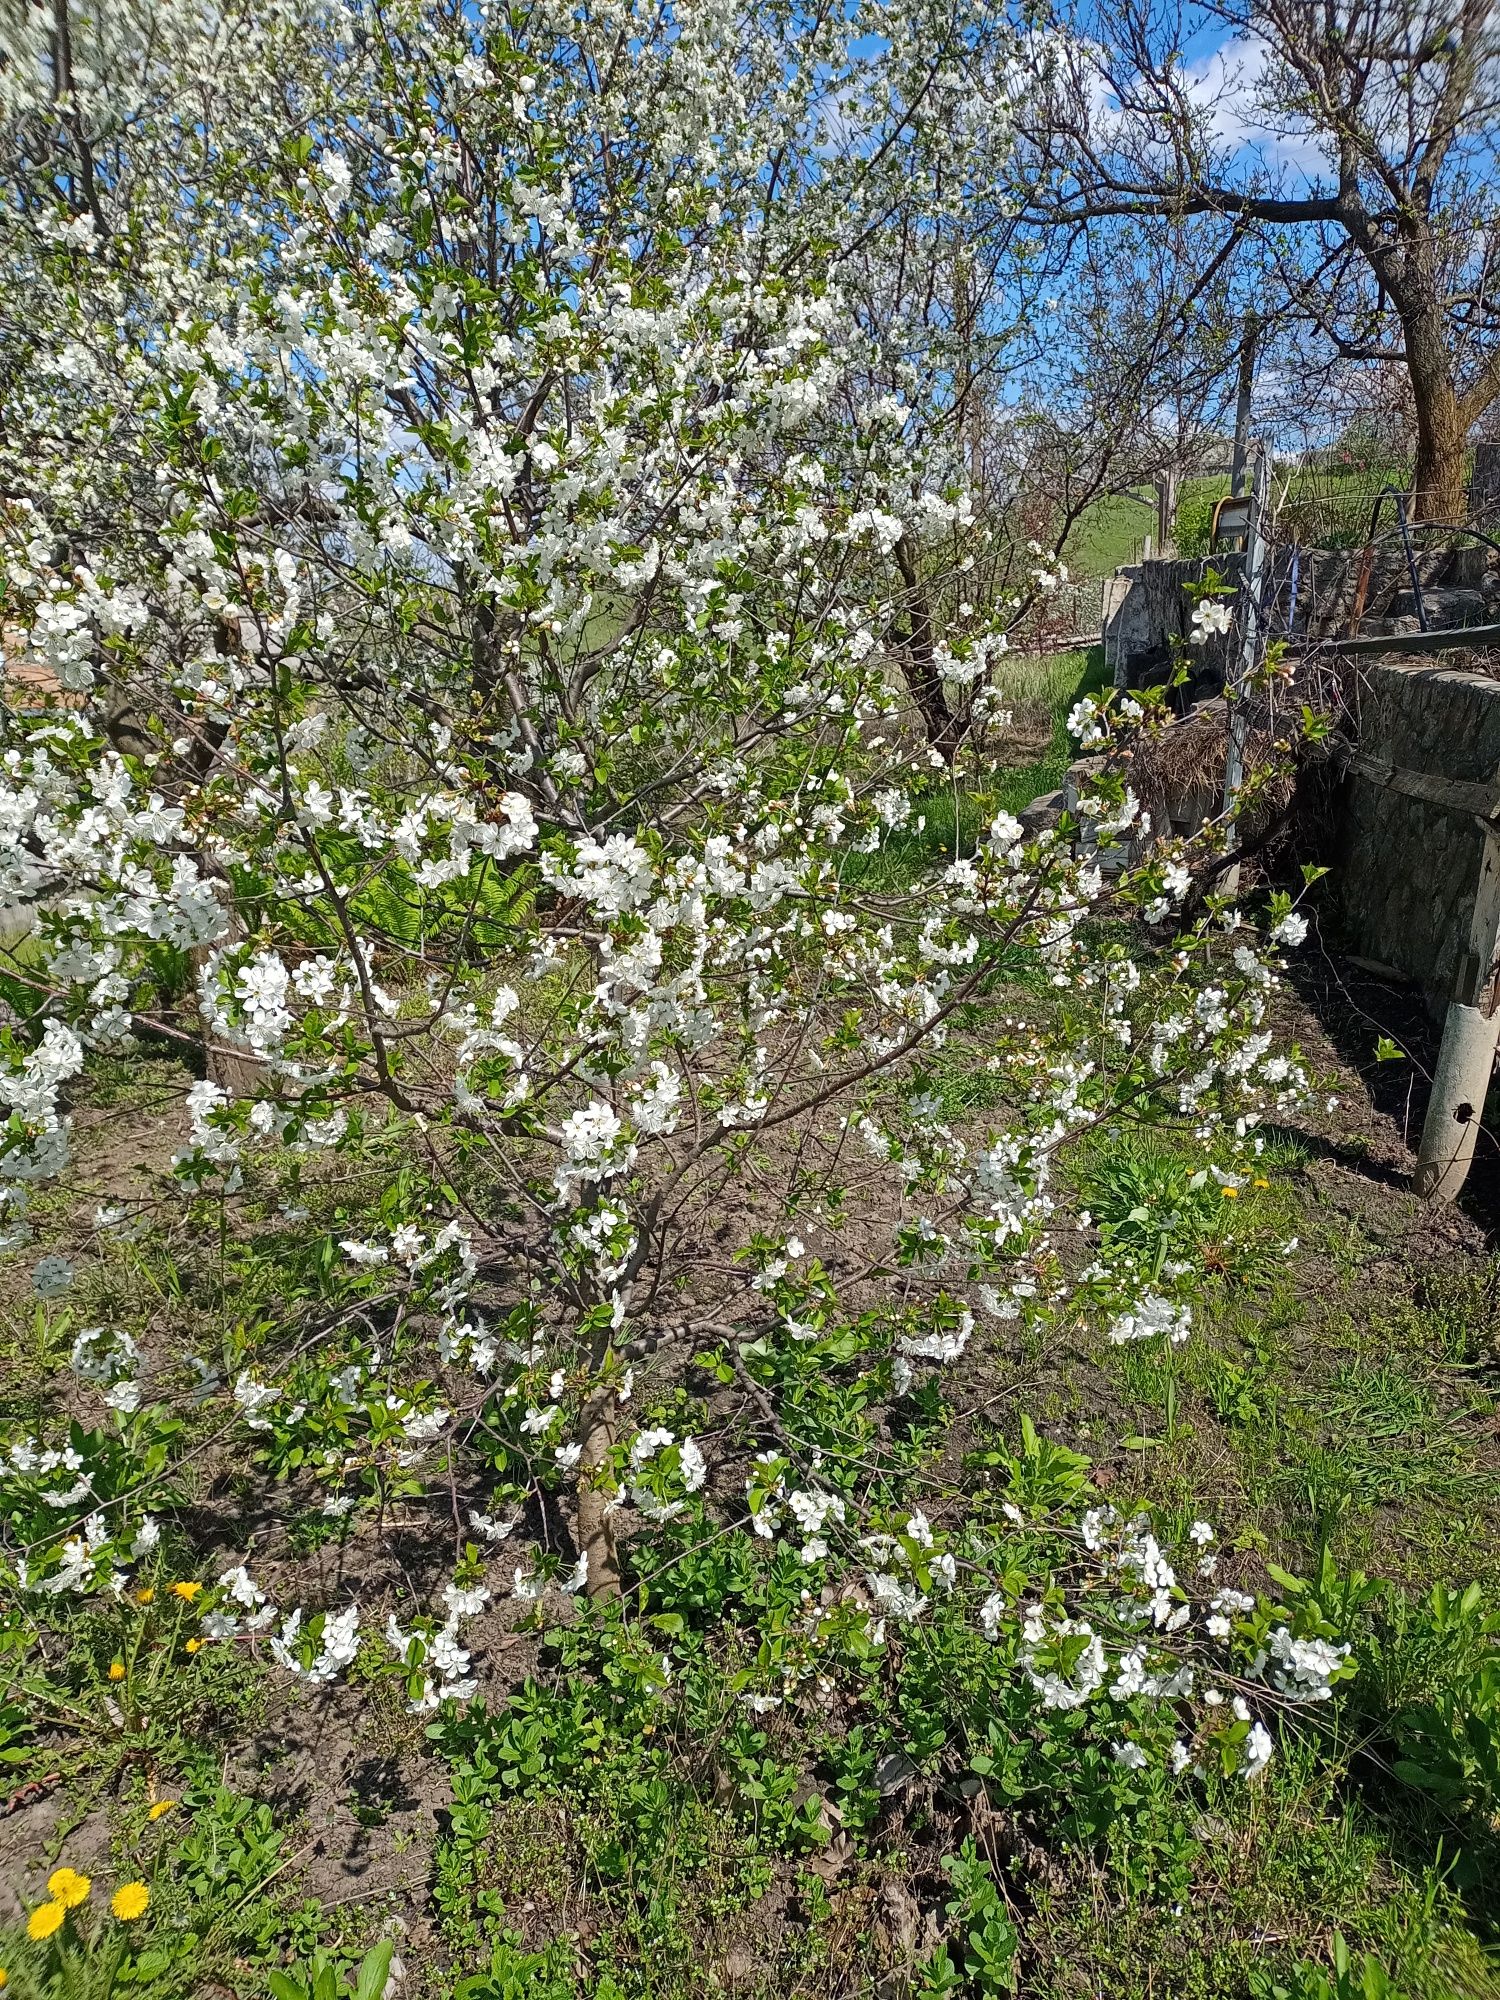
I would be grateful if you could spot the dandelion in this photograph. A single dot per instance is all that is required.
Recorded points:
(146, 1596)
(67, 1887)
(45, 1919)
(1230, 1193)
(129, 1901)
(4, 1979)
(186, 1591)
(193, 1646)
(161, 1808)
(117, 1670)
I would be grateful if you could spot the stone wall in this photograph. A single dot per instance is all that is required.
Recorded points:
(1307, 594)
(1142, 621)
(1407, 869)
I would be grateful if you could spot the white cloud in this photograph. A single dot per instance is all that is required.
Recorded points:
(1228, 83)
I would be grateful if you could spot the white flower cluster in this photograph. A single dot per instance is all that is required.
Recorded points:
(245, 1610)
(111, 1361)
(30, 1087)
(1211, 616)
(675, 1462)
(435, 1654)
(1072, 1659)
(337, 1646)
(1300, 1669)
(1153, 1315)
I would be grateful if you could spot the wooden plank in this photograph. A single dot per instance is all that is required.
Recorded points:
(1449, 794)
(1448, 639)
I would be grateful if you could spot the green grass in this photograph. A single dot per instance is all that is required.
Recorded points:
(1042, 691)
(1059, 681)
(1317, 506)
(1109, 532)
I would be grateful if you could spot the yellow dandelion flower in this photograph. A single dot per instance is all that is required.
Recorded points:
(4, 1978)
(1262, 1183)
(129, 1901)
(186, 1591)
(1230, 1194)
(117, 1670)
(145, 1596)
(193, 1646)
(68, 1887)
(45, 1919)
(162, 1806)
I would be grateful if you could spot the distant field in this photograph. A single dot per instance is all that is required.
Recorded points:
(1107, 534)
(1327, 507)
(1111, 531)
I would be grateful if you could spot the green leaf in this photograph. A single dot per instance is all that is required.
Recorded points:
(1424, 1780)
(373, 1971)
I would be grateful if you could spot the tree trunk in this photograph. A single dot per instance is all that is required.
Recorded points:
(923, 678)
(596, 1534)
(1438, 478)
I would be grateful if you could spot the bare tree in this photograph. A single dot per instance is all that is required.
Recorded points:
(1131, 373)
(1351, 152)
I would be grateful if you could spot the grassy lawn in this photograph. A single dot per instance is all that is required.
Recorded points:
(1042, 691)
(1051, 684)
(1107, 534)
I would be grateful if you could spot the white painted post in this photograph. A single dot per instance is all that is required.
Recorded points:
(1237, 690)
(1466, 1059)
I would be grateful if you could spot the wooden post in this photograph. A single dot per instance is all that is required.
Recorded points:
(1484, 491)
(1242, 407)
(1466, 1059)
(1165, 485)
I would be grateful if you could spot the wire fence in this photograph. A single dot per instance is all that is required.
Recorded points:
(1324, 499)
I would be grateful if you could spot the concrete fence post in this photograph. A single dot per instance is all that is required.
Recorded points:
(1237, 688)
(1466, 1059)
